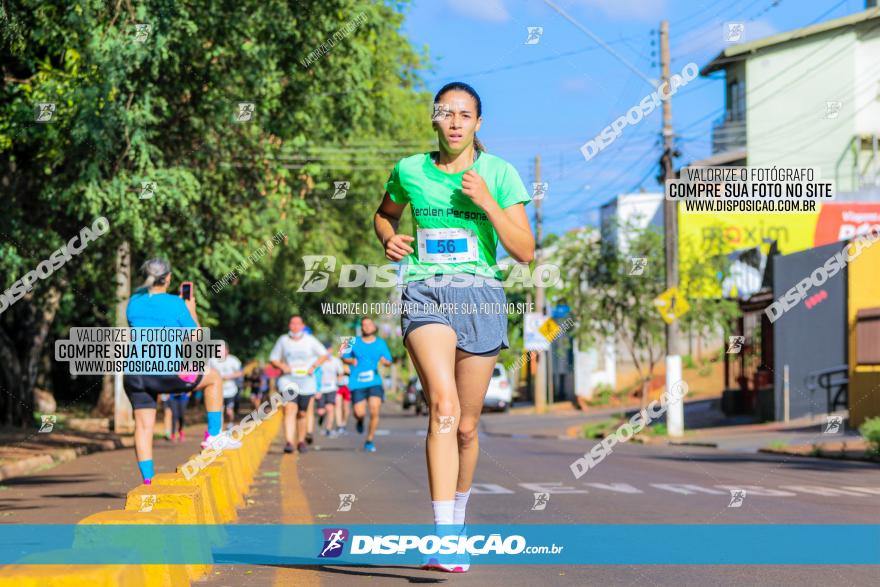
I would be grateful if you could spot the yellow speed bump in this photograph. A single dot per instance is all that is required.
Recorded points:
(158, 574)
(209, 506)
(186, 501)
(224, 469)
(74, 576)
(233, 466)
(219, 487)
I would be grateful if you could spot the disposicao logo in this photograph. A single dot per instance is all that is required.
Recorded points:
(334, 542)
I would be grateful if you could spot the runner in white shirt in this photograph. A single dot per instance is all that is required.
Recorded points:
(329, 400)
(229, 368)
(297, 354)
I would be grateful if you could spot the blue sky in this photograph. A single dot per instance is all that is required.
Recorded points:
(551, 97)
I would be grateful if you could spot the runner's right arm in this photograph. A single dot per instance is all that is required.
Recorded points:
(385, 222)
(275, 357)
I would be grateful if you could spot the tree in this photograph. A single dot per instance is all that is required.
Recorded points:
(611, 301)
(150, 95)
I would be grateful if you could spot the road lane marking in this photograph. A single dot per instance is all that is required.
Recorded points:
(819, 490)
(551, 487)
(294, 510)
(617, 487)
(687, 488)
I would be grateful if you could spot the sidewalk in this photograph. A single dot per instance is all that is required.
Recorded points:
(705, 425)
(23, 452)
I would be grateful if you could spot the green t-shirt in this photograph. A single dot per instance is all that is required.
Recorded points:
(437, 202)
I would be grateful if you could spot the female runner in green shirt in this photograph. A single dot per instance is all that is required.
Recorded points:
(463, 201)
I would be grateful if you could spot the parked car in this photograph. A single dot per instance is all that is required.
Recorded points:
(414, 397)
(499, 396)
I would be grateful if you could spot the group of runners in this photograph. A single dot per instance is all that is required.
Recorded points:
(330, 384)
(464, 202)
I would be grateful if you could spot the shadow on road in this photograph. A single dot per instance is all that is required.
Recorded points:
(49, 479)
(353, 571)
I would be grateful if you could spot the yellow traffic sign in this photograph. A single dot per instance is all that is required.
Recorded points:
(549, 329)
(671, 305)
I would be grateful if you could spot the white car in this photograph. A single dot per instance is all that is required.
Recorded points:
(499, 396)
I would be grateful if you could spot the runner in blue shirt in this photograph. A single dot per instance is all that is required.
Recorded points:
(365, 356)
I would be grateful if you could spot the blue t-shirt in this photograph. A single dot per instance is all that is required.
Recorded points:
(157, 310)
(366, 372)
(160, 310)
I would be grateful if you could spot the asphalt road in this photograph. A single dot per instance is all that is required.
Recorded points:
(635, 484)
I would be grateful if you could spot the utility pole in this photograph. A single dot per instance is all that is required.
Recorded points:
(541, 356)
(675, 410)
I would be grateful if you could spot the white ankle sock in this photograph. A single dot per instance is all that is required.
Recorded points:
(461, 500)
(443, 512)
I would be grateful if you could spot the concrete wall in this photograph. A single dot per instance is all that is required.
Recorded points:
(787, 91)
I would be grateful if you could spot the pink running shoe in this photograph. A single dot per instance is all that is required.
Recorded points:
(148, 481)
(435, 565)
(182, 437)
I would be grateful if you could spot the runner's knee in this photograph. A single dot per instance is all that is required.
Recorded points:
(442, 407)
(467, 434)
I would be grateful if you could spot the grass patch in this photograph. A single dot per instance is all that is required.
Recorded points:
(658, 429)
(777, 445)
(602, 395)
(599, 429)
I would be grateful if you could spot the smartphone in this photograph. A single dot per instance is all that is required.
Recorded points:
(186, 289)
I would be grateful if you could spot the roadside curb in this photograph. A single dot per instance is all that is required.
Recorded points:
(36, 463)
(833, 455)
(204, 500)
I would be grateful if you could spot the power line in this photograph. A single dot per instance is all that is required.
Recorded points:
(601, 43)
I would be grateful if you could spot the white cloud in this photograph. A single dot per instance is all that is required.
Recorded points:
(630, 9)
(491, 10)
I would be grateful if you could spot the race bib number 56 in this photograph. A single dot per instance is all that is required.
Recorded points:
(447, 245)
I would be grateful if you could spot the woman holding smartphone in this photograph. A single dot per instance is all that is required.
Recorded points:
(464, 202)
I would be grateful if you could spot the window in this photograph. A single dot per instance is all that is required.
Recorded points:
(736, 101)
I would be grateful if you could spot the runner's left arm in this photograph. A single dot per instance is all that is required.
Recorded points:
(511, 223)
(386, 358)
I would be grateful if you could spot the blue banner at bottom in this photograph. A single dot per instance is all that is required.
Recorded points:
(394, 544)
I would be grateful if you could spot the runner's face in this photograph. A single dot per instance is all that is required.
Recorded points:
(456, 128)
(368, 328)
(296, 325)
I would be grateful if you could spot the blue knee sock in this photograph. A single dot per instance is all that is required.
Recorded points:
(146, 468)
(215, 422)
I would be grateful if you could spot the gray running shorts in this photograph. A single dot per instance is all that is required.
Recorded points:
(474, 307)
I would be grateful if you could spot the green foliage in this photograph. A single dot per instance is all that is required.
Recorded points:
(164, 110)
(658, 429)
(870, 430)
(599, 429)
(601, 395)
(607, 300)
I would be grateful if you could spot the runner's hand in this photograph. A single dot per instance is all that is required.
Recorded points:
(191, 305)
(474, 187)
(396, 247)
